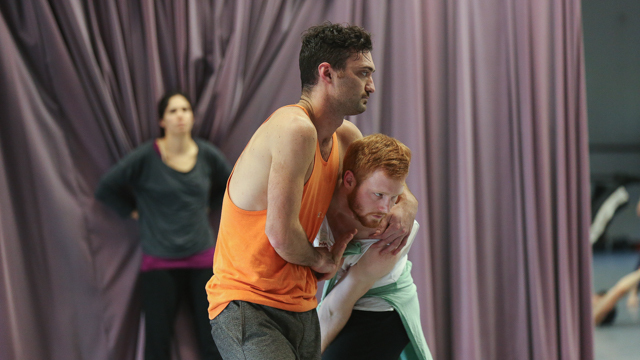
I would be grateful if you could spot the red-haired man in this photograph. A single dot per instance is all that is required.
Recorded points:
(370, 308)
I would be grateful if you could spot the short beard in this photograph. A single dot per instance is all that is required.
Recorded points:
(366, 222)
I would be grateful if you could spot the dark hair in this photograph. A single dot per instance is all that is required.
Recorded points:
(331, 43)
(164, 102)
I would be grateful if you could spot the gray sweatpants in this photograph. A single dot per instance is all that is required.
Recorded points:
(244, 330)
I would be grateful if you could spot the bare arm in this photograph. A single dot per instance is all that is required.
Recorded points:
(336, 308)
(633, 300)
(292, 153)
(608, 302)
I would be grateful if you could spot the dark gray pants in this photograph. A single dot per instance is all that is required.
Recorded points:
(244, 330)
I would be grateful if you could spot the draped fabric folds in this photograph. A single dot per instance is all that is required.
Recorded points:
(489, 95)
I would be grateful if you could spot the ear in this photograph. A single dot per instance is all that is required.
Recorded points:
(161, 123)
(325, 72)
(349, 180)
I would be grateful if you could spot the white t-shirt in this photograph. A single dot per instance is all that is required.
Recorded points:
(325, 238)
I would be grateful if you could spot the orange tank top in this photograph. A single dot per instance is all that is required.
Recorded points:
(245, 265)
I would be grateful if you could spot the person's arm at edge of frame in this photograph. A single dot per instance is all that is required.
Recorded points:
(291, 154)
(633, 300)
(608, 302)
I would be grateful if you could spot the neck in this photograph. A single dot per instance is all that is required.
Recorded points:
(324, 118)
(177, 144)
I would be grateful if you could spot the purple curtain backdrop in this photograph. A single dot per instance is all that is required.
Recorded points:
(489, 95)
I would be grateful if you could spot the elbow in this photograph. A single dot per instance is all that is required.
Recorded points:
(327, 312)
(276, 236)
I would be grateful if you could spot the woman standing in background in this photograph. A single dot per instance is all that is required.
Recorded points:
(168, 185)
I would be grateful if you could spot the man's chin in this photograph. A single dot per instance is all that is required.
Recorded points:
(359, 110)
(370, 223)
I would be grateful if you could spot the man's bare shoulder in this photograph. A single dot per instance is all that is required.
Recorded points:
(290, 116)
(347, 133)
(283, 146)
(290, 126)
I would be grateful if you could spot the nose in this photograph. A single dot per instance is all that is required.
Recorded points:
(370, 87)
(385, 206)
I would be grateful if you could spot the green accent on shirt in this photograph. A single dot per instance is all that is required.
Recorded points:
(403, 297)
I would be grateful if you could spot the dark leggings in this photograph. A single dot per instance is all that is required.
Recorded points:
(369, 335)
(162, 292)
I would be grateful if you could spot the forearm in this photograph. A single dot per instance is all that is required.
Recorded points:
(408, 201)
(609, 300)
(607, 303)
(294, 247)
(632, 299)
(336, 308)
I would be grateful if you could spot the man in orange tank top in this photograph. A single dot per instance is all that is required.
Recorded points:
(262, 295)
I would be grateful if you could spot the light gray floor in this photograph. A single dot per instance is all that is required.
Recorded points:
(621, 340)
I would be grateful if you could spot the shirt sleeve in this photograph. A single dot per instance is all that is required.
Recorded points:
(115, 189)
(221, 170)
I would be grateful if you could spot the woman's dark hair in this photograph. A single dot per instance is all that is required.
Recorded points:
(164, 102)
(331, 43)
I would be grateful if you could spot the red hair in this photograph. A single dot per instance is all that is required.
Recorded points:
(377, 151)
